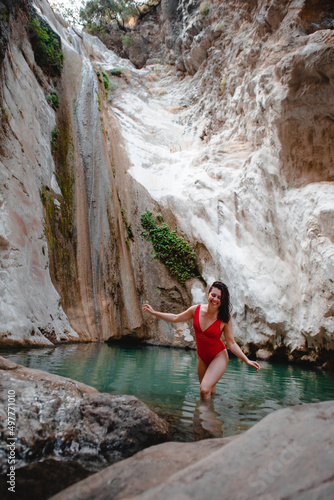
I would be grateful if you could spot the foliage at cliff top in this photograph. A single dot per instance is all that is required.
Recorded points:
(46, 46)
(68, 10)
(121, 12)
(172, 250)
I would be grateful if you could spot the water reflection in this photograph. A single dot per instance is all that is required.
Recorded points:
(208, 419)
(166, 380)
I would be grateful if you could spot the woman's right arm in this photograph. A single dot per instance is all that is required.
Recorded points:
(172, 318)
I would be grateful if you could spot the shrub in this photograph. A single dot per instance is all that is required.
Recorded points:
(105, 81)
(128, 226)
(53, 100)
(95, 29)
(126, 40)
(5, 114)
(172, 250)
(46, 47)
(204, 8)
(116, 71)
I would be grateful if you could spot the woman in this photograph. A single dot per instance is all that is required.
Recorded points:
(209, 321)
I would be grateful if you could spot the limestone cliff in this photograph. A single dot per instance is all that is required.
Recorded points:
(71, 270)
(253, 159)
(229, 135)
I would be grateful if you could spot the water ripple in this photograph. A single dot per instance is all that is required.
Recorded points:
(166, 380)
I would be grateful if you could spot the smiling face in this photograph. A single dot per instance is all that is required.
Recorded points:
(214, 297)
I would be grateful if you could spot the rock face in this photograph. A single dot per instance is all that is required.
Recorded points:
(271, 460)
(70, 271)
(232, 144)
(243, 162)
(30, 307)
(71, 427)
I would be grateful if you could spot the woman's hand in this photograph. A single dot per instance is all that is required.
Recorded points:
(148, 308)
(254, 364)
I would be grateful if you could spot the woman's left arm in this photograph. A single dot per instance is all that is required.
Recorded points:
(233, 346)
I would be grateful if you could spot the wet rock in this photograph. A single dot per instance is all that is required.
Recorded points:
(71, 423)
(270, 460)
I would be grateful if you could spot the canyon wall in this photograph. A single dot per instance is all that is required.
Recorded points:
(225, 128)
(252, 162)
(69, 271)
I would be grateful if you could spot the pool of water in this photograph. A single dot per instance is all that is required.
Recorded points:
(166, 380)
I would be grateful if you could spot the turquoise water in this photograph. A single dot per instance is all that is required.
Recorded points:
(166, 380)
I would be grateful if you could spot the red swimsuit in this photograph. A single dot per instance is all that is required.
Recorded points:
(209, 343)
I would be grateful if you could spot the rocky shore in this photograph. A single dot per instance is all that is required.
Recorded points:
(289, 454)
(66, 430)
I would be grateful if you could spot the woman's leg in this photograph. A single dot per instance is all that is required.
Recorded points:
(213, 373)
(201, 368)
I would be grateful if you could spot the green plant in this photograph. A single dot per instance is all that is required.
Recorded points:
(46, 47)
(129, 231)
(58, 210)
(105, 81)
(204, 8)
(5, 114)
(95, 29)
(126, 40)
(53, 100)
(128, 227)
(102, 12)
(116, 71)
(172, 250)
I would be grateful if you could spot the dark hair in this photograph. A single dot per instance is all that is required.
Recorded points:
(225, 308)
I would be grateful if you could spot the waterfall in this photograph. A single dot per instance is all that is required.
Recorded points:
(88, 127)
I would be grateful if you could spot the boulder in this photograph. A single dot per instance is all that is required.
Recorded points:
(198, 52)
(289, 454)
(144, 470)
(67, 426)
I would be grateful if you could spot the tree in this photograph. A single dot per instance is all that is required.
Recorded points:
(70, 14)
(104, 11)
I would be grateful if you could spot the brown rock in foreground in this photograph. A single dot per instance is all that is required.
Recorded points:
(289, 454)
(144, 470)
(69, 426)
